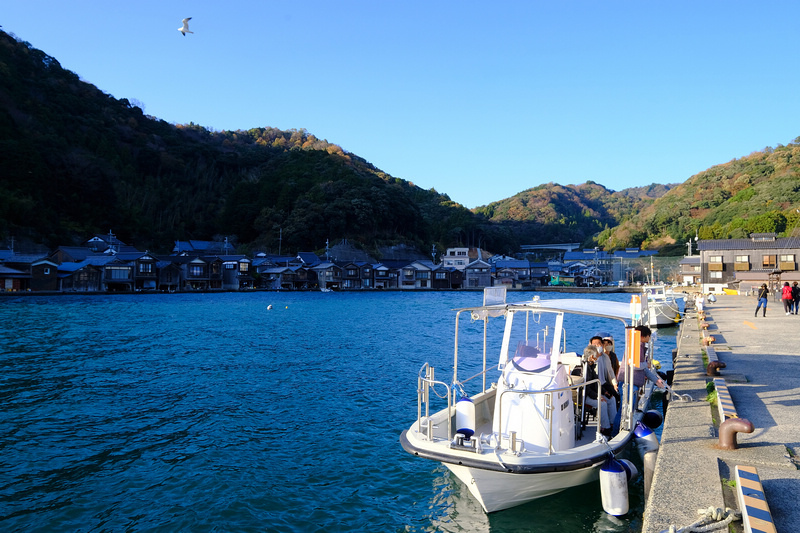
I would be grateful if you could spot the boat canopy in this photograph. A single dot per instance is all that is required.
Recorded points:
(581, 306)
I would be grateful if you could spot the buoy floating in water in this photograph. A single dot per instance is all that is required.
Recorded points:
(269, 307)
(465, 417)
(614, 487)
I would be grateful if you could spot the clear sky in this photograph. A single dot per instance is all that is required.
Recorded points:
(478, 100)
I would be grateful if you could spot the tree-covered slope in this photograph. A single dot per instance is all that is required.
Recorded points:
(77, 161)
(559, 213)
(754, 194)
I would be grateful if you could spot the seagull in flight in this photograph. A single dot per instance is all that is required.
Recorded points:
(185, 28)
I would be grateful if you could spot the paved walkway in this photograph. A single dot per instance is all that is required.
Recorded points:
(762, 355)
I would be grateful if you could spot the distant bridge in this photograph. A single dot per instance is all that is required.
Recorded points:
(567, 246)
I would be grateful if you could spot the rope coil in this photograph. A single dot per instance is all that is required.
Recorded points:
(712, 519)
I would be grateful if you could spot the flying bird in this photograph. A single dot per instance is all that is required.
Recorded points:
(185, 28)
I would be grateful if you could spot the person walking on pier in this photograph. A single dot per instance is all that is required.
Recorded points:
(763, 294)
(786, 296)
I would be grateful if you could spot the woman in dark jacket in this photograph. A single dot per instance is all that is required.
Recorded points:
(763, 294)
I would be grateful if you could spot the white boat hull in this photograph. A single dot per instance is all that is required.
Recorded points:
(663, 315)
(500, 490)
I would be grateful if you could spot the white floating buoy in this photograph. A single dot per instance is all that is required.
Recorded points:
(614, 487)
(465, 417)
(269, 307)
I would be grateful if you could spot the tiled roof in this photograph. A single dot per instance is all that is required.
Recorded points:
(748, 244)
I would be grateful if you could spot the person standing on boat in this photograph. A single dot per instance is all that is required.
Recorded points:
(605, 364)
(606, 406)
(763, 294)
(645, 333)
(608, 348)
(644, 371)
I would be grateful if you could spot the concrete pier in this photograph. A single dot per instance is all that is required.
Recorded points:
(762, 373)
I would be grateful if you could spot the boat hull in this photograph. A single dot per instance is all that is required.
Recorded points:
(501, 481)
(500, 490)
(662, 315)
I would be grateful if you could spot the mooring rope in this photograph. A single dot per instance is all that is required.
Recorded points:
(712, 519)
(680, 397)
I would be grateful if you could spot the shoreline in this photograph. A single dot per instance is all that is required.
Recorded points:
(692, 470)
(576, 290)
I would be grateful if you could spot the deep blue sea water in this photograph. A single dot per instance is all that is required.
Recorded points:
(209, 412)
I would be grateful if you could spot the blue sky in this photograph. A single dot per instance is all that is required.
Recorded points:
(478, 100)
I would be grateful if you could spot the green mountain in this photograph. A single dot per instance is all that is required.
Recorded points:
(569, 213)
(759, 193)
(76, 161)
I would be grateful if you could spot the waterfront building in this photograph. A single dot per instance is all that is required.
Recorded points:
(747, 263)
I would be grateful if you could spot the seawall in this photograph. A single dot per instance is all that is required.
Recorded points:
(692, 472)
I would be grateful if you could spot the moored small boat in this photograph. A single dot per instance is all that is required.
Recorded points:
(521, 428)
(663, 306)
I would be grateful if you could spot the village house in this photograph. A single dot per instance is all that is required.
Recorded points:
(747, 263)
(456, 258)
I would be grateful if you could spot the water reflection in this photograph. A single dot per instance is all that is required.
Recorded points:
(579, 509)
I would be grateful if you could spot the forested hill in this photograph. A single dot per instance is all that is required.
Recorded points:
(569, 213)
(76, 161)
(759, 193)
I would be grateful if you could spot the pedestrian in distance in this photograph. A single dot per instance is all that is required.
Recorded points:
(763, 294)
(795, 297)
(700, 302)
(786, 296)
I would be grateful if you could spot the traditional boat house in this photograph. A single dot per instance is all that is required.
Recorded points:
(44, 275)
(384, 276)
(478, 274)
(328, 275)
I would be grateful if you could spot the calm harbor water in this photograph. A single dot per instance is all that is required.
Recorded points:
(209, 412)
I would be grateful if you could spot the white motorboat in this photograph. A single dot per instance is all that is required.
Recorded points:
(524, 430)
(663, 306)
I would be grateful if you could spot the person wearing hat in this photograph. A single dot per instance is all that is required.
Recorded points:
(763, 294)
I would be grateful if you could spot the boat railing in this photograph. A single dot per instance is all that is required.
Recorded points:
(578, 390)
(482, 373)
(426, 382)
